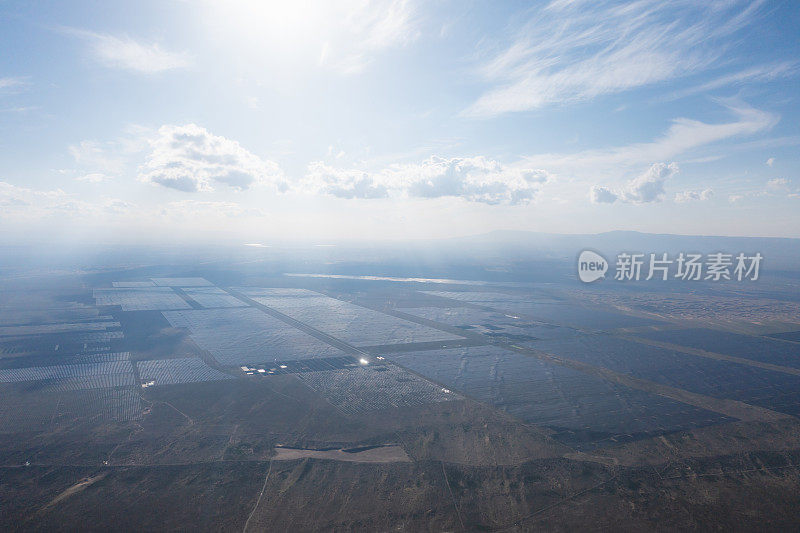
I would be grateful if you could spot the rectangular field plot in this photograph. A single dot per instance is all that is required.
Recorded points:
(34, 411)
(213, 297)
(132, 284)
(352, 323)
(583, 410)
(374, 387)
(182, 282)
(101, 381)
(761, 349)
(119, 404)
(305, 365)
(62, 359)
(42, 329)
(550, 311)
(174, 371)
(491, 323)
(247, 336)
(722, 379)
(30, 307)
(11, 375)
(151, 299)
(277, 292)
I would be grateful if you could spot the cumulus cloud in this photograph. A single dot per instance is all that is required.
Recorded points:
(572, 51)
(649, 187)
(646, 188)
(694, 196)
(343, 183)
(189, 158)
(475, 179)
(602, 195)
(127, 53)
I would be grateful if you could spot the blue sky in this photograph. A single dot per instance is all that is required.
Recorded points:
(250, 121)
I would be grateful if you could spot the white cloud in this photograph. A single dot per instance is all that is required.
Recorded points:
(474, 179)
(602, 195)
(10, 82)
(97, 156)
(14, 196)
(26, 204)
(127, 53)
(770, 161)
(682, 136)
(778, 184)
(646, 188)
(369, 28)
(343, 183)
(190, 158)
(694, 196)
(576, 50)
(94, 177)
(759, 73)
(649, 187)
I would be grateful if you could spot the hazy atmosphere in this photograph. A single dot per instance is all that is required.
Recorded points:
(394, 265)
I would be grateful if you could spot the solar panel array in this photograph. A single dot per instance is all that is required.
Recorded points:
(182, 282)
(247, 335)
(43, 329)
(147, 299)
(492, 323)
(133, 284)
(548, 310)
(181, 370)
(101, 381)
(38, 411)
(582, 409)
(349, 322)
(10, 375)
(375, 387)
(210, 297)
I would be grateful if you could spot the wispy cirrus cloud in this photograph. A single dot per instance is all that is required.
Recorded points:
(345, 36)
(683, 135)
(10, 82)
(126, 53)
(759, 73)
(368, 29)
(577, 50)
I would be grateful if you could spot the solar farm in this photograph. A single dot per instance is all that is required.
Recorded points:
(184, 370)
